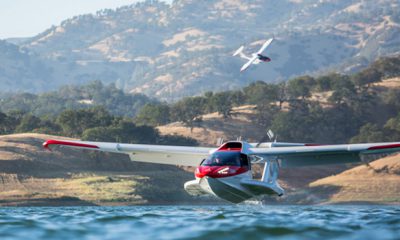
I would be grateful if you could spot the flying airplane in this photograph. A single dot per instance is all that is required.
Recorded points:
(226, 171)
(255, 58)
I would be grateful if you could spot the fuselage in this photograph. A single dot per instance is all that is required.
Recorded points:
(263, 58)
(226, 173)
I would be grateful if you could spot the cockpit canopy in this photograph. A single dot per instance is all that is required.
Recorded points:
(226, 158)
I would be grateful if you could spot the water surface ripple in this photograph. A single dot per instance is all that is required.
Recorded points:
(201, 222)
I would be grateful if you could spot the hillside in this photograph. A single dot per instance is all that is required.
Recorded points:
(22, 70)
(378, 182)
(30, 175)
(213, 126)
(183, 49)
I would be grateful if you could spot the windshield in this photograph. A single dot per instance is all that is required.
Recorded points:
(226, 159)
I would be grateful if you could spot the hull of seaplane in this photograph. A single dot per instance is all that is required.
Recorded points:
(234, 189)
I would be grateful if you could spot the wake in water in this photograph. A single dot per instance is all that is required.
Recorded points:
(202, 222)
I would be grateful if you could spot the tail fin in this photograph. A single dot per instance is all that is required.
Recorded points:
(239, 51)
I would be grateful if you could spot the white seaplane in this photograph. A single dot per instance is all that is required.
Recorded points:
(226, 171)
(255, 58)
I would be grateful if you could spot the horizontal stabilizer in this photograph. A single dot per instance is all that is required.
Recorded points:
(239, 51)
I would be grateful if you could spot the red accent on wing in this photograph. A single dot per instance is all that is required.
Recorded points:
(384, 147)
(66, 143)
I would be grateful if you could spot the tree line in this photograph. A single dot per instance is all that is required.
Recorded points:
(93, 124)
(86, 96)
(355, 111)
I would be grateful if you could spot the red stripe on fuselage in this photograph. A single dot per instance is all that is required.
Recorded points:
(219, 171)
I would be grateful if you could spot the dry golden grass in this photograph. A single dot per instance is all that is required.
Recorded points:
(92, 188)
(214, 126)
(389, 83)
(31, 175)
(378, 182)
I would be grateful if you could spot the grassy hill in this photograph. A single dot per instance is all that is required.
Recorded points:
(31, 175)
(378, 182)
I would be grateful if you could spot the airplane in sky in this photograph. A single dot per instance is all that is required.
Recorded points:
(255, 58)
(226, 171)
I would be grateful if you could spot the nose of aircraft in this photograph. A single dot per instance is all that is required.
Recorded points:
(219, 171)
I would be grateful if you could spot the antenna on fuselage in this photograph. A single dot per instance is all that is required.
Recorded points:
(270, 135)
(220, 141)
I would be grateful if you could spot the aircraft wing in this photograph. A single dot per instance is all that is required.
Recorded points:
(173, 155)
(319, 155)
(248, 63)
(265, 45)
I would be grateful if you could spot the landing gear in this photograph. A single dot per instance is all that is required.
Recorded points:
(270, 174)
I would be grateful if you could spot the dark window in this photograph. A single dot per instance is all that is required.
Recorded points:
(226, 159)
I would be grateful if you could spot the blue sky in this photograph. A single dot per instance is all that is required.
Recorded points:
(26, 18)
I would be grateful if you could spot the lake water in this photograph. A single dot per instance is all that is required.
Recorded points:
(201, 222)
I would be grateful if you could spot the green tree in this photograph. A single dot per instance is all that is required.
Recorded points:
(176, 140)
(48, 126)
(344, 91)
(326, 82)
(237, 98)
(189, 111)
(7, 123)
(222, 103)
(393, 123)
(124, 132)
(300, 87)
(392, 129)
(298, 124)
(153, 115)
(369, 133)
(391, 98)
(265, 113)
(100, 134)
(260, 91)
(28, 124)
(366, 77)
(388, 66)
(74, 122)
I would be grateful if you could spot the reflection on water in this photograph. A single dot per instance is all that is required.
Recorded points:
(202, 222)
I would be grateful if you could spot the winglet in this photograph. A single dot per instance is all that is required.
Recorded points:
(47, 144)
